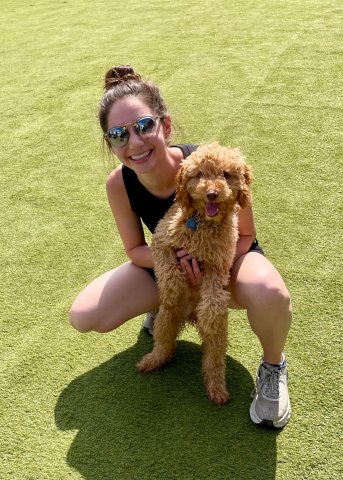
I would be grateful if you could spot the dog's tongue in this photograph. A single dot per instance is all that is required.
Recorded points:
(211, 209)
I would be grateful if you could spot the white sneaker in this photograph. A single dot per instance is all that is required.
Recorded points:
(271, 405)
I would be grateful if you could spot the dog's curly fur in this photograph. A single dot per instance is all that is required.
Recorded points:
(213, 182)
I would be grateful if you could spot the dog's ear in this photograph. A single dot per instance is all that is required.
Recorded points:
(182, 196)
(244, 194)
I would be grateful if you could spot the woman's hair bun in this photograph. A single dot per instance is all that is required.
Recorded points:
(119, 74)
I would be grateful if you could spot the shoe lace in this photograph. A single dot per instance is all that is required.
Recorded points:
(268, 382)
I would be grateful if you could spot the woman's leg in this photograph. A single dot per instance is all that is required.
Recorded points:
(258, 287)
(113, 298)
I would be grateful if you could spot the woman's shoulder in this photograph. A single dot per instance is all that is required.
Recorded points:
(186, 148)
(115, 182)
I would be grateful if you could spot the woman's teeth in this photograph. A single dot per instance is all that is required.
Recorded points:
(140, 156)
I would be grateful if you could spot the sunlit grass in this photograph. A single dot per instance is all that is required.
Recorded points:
(265, 76)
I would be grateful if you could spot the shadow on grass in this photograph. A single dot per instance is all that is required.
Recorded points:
(161, 425)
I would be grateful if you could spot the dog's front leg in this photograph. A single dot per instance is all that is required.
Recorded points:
(166, 328)
(213, 363)
(212, 321)
(172, 286)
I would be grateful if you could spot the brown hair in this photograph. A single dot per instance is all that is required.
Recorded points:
(121, 81)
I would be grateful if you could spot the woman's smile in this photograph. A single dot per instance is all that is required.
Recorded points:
(141, 157)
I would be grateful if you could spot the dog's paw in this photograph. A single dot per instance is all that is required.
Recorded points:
(218, 394)
(149, 363)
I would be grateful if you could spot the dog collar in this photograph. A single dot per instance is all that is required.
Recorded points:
(193, 222)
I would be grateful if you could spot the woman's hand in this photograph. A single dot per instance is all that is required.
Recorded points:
(190, 267)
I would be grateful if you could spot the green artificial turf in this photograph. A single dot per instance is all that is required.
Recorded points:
(265, 76)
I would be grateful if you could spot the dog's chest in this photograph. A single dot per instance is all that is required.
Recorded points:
(205, 243)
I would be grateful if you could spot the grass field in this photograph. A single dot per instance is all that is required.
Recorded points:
(265, 76)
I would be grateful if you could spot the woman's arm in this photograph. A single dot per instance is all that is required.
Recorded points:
(129, 225)
(246, 231)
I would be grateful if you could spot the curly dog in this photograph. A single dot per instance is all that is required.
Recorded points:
(213, 183)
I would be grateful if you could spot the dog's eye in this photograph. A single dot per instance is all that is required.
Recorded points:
(226, 175)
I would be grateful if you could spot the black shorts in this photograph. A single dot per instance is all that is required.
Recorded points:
(255, 247)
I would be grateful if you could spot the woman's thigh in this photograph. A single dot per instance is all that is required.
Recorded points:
(253, 278)
(113, 298)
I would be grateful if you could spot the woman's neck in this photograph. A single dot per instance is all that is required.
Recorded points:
(161, 182)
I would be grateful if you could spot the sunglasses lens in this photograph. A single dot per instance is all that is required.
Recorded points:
(145, 125)
(118, 136)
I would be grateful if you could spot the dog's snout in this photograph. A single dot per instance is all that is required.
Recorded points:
(212, 194)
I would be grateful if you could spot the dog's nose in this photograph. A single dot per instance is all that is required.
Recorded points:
(212, 194)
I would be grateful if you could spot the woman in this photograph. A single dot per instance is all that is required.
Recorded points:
(137, 129)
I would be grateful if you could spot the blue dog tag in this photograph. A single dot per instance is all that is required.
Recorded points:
(192, 223)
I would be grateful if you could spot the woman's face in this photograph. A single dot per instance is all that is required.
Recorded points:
(142, 152)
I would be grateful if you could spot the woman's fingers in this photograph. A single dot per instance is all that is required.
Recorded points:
(191, 269)
(188, 270)
(196, 271)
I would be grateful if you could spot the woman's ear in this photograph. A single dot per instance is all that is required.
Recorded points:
(167, 126)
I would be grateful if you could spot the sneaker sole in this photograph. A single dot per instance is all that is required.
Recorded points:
(269, 423)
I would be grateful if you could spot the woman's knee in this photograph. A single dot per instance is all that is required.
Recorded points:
(93, 309)
(270, 290)
(263, 288)
(84, 321)
(113, 298)
(81, 318)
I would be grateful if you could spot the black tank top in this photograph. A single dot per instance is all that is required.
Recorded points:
(148, 207)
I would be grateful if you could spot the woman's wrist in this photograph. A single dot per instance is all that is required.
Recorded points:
(141, 256)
